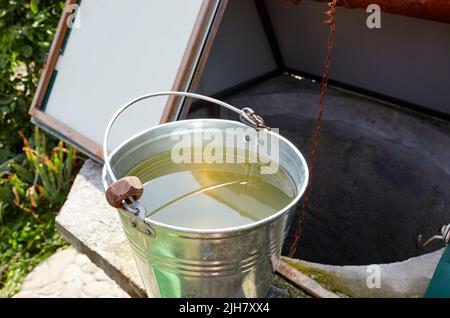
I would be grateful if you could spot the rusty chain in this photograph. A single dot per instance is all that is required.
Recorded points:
(339, 2)
(330, 13)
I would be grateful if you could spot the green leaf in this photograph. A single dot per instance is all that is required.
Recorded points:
(6, 100)
(34, 6)
(26, 51)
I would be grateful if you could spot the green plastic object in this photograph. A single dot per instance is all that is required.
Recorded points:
(440, 283)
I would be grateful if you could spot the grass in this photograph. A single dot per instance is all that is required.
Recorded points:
(33, 187)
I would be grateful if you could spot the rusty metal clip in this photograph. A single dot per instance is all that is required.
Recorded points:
(249, 117)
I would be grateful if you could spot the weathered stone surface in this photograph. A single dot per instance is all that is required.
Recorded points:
(71, 293)
(97, 289)
(81, 260)
(73, 271)
(93, 227)
(409, 278)
(90, 268)
(100, 275)
(52, 289)
(49, 270)
(87, 278)
(66, 274)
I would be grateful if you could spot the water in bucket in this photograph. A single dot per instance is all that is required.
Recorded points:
(211, 196)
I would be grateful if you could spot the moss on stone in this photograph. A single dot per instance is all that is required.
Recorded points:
(326, 279)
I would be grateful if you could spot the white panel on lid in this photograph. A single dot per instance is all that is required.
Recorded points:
(121, 50)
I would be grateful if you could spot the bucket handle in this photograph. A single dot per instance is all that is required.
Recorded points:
(121, 192)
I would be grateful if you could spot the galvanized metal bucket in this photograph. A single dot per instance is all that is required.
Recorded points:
(182, 262)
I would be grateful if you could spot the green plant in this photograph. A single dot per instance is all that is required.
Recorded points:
(26, 31)
(35, 173)
(33, 186)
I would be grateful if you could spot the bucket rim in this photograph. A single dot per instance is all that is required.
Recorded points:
(225, 229)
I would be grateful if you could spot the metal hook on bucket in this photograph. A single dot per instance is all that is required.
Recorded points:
(445, 236)
(249, 117)
(130, 203)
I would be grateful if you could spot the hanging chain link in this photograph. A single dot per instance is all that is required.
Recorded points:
(330, 13)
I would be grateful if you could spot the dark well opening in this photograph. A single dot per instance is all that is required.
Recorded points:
(382, 175)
